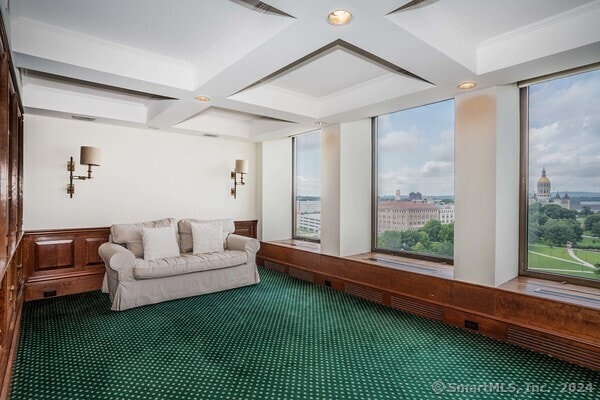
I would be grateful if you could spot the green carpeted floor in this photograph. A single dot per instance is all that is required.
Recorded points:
(281, 339)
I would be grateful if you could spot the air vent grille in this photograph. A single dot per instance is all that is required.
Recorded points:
(566, 295)
(415, 307)
(401, 264)
(83, 118)
(302, 275)
(275, 266)
(550, 346)
(364, 293)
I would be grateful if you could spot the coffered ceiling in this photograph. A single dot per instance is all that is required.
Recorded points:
(274, 68)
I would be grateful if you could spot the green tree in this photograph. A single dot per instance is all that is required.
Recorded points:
(447, 233)
(555, 211)
(559, 231)
(410, 239)
(433, 228)
(390, 240)
(592, 223)
(443, 249)
(534, 232)
(537, 217)
(585, 211)
(419, 248)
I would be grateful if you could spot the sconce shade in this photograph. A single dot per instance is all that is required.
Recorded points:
(241, 166)
(90, 156)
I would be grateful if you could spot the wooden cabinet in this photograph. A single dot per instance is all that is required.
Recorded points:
(11, 210)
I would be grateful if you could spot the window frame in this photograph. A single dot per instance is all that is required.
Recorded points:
(375, 202)
(294, 183)
(523, 182)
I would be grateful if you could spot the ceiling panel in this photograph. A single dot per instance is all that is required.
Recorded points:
(331, 73)
(182, 32)
(486, 19)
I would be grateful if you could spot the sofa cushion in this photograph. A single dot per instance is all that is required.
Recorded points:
(186, 244)
(207, 237)
(130, 234)
(187, 263)
(159, 243)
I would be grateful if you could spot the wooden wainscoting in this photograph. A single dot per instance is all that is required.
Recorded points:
(59, 262)
(246, 228)
(64, 261)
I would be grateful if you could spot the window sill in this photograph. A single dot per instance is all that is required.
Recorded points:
(554, 290)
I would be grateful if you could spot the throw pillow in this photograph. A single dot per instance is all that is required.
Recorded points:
(159, 243)
(186, 244)
(207, 237)
(131, 234)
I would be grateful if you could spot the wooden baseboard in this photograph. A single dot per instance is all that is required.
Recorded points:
(37, 289)
(8, 358)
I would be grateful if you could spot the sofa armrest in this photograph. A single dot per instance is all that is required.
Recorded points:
(119, 259)
(243, 243)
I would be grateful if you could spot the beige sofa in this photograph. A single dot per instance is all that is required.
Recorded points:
(132, 281)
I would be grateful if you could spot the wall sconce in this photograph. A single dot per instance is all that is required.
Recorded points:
(89, 156)
(241, 167)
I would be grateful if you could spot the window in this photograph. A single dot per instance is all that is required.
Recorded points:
(307, 186)
(560, 193)
(414, 181)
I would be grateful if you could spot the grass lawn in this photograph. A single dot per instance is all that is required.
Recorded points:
(537, 261)
(559, 252)
(589, 242)
(593, 257)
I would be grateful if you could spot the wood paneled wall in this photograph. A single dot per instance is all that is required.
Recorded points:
(564, 330)
(11, 211)
(61, 262)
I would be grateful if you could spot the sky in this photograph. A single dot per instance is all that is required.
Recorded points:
(564, 133)
(416, 150)
(308, 164)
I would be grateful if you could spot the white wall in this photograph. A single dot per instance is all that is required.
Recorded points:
(486, 229)
(346, 188)
(276, 189)
(145, 174)
(355, 187)
(330, 190)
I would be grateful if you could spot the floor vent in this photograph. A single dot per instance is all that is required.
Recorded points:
(364, 293)
(559, 349)
(310, 246)
(401, 264)
(565, 295)
(302, 275)
(416, 307)
(275, 266)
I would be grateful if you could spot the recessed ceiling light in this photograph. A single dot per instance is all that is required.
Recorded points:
(320, 123)
(467, 85)
(202, 98)
(339, 17)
